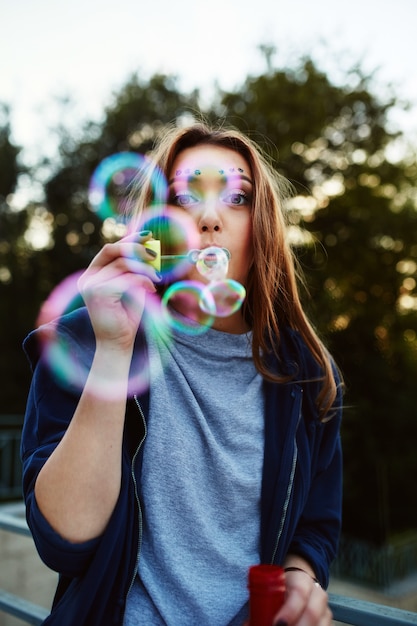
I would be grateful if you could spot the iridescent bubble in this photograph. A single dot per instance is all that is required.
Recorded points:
(178, 234)
(228, 296)
(110, 192)
(69, 355)
(63, 299)
(213, 263)
(188, 296)
(61, 352)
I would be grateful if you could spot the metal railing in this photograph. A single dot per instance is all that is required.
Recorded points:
(362, 613)
(10, 463)
(24, 610)
(345, 610)
(377, 566)
(12, 519)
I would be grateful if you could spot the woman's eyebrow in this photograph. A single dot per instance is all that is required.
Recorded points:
(189, 179)
(239, 177)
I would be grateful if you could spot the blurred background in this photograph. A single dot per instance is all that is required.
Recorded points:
(330, 93)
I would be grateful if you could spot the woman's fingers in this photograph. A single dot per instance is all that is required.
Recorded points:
(109, 267)
(132, 252)
(306, 603)
(114, 287)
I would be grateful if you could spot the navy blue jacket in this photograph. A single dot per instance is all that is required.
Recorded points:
(301, 486)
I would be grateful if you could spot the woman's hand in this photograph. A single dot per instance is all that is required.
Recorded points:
(114, 288)
(306, 602)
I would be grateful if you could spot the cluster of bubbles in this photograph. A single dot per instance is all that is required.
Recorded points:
(111, 195)
(204, 302)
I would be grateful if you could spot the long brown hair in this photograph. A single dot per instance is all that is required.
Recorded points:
(272, 298)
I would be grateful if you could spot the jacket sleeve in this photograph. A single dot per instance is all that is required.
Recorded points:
(49, 410)
(316, 536)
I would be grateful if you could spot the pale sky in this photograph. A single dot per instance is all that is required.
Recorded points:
(89, 48)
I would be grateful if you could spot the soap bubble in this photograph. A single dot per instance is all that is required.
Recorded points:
(228, 296)
(201, 303)
(213, 263)
(178, 234)
(64, 298)
(190, 295)
(110, 190)
(69, 355)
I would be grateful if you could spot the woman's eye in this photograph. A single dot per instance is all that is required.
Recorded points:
(236, 197)
(185, 199)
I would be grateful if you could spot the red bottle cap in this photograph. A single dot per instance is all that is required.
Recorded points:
(266, 584)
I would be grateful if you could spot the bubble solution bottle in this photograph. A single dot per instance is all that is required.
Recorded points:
(266, 584)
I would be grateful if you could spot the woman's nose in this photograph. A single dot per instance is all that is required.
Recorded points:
(210, 219)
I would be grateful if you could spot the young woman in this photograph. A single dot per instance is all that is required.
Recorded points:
(152, 500)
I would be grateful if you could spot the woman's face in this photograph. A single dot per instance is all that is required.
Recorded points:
(214, 186)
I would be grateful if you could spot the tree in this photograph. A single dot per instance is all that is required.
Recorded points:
(72, 232)
(353, 223)
(131, 123)
(15, 299)
(354, 212)
(9, 164)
